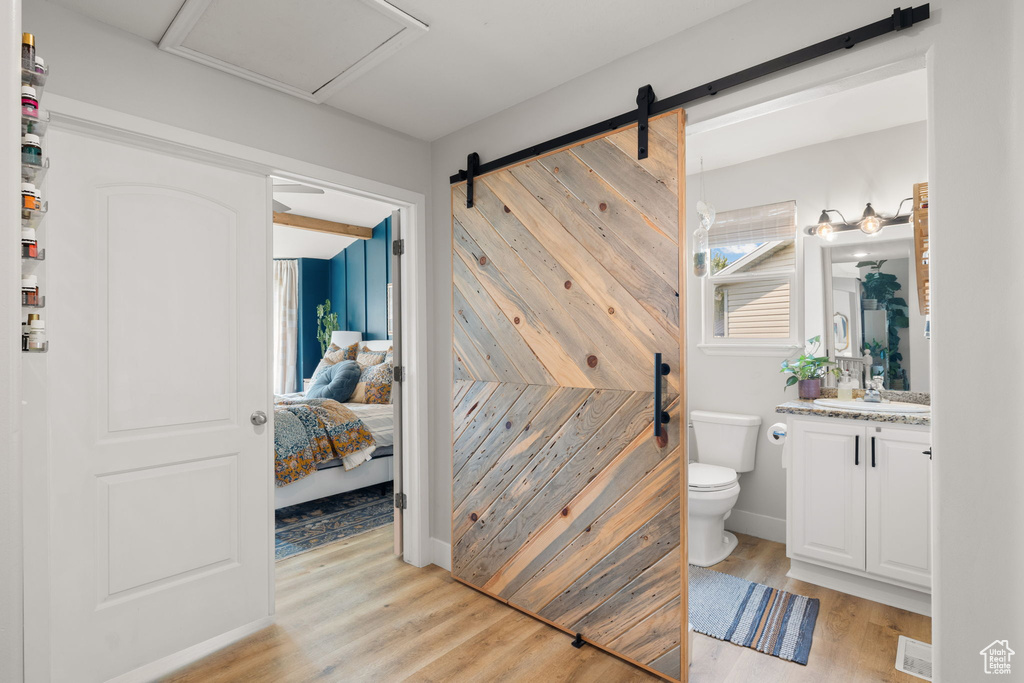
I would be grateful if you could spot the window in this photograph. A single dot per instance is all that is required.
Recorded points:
(750, 301)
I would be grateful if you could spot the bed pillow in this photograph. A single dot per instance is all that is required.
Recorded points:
(366, 357)
(335, 354)
(336, 382)
(374, 384)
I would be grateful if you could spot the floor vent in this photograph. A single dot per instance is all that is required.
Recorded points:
(914, 657)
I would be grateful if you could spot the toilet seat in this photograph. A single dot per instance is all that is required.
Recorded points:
(703, 477)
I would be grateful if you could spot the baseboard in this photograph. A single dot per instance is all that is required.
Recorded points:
(760, 526)
(170, 663)
(441, 553)
(869, 589)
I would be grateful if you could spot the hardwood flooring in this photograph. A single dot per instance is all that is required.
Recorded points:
(351, 611)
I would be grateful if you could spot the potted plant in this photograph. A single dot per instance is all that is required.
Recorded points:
(882, 287)
(326, 323)
(807, 370)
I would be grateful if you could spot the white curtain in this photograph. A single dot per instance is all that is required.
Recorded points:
(286, 331)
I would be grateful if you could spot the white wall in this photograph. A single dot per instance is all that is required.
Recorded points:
(98, 64)
(975, 154)
(880, 167)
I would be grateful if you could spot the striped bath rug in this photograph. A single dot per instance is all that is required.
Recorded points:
(752, 615)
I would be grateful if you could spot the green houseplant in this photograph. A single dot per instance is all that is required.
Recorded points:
(882, 287)
(807, 369)
(326, 323)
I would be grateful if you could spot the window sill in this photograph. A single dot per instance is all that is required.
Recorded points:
(776, 350)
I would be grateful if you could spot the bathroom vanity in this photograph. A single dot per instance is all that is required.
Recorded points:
(858, 502)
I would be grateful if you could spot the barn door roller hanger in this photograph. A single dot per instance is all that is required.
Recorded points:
(648, 105)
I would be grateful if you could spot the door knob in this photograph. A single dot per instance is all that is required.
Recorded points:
(258, 418)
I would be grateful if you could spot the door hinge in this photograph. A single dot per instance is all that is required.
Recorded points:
(398, 247)
(401, 501)
(399, 373)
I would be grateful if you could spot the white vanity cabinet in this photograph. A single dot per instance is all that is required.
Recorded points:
(859, 507)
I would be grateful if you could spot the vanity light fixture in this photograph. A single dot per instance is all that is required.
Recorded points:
(870, 223)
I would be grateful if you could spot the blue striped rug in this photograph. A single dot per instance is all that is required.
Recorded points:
(752, 615)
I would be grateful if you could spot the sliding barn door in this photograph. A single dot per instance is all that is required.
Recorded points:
(566, 285)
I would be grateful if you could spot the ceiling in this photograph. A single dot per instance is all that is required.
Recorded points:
(883, 104)
(332, 206)
(477, 58)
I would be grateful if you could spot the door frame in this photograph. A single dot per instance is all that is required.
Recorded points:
(87, 119)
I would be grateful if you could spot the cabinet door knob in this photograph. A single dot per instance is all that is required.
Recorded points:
(258, 418)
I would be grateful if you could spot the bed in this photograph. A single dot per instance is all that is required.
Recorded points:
(331, 476)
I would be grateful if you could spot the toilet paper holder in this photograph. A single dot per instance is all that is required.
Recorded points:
(777, 433)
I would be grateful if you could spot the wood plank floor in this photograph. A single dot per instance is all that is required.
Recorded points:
(350, 611)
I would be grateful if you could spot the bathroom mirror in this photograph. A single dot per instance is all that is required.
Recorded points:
(869, 297)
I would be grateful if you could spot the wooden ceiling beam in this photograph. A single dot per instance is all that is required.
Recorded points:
(293, 220)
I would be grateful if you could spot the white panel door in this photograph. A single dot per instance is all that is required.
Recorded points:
(828, 493)
(899, 483)
(159, 483)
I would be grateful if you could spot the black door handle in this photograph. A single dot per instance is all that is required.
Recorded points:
(660, 416)
(928, 453)
(872, 451)
(856, 450)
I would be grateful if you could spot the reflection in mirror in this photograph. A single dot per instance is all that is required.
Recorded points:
(872, 306)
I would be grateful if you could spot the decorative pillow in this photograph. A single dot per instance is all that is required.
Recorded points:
(389, 357)
(366, 357)
(336, 382)
(374, 384)
(335, 354)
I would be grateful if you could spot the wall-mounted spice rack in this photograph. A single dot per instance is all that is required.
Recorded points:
(34, 165)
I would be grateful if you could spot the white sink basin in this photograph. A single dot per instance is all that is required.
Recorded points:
(859, 404)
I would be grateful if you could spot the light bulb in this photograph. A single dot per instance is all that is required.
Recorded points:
(870, 224)
(826, 232)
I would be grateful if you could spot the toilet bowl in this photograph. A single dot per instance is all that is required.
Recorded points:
(713, 492)
(726, 445)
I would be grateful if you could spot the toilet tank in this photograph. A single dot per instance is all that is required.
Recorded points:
(725, 439)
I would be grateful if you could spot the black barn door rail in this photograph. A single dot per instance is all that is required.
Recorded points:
(648, 105)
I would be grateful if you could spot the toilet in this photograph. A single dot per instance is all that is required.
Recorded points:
(725, 447)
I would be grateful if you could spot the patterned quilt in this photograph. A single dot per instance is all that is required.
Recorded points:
(311, 431)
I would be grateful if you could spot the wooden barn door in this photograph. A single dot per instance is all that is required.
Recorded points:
(566, 284)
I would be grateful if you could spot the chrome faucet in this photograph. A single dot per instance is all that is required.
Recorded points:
(873, 394)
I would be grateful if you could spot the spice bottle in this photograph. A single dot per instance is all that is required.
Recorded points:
(29, 244)
(29, 290)
(26, 328)
(29, 101)
(28, 51)
(36, 333)
(31, 150)
(30, 198)
(40, 65)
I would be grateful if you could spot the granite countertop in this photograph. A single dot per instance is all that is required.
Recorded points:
(802, 407)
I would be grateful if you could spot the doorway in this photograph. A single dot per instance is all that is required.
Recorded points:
(336, 342)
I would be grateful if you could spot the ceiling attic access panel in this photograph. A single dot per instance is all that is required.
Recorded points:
(310, 49)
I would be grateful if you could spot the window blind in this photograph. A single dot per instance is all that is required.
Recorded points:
(754, 225)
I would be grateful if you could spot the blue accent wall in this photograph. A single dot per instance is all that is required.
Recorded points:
(314, 288)
(360, 275)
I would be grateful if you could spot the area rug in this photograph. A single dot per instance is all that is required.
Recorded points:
(752, 615)
(306, 526)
